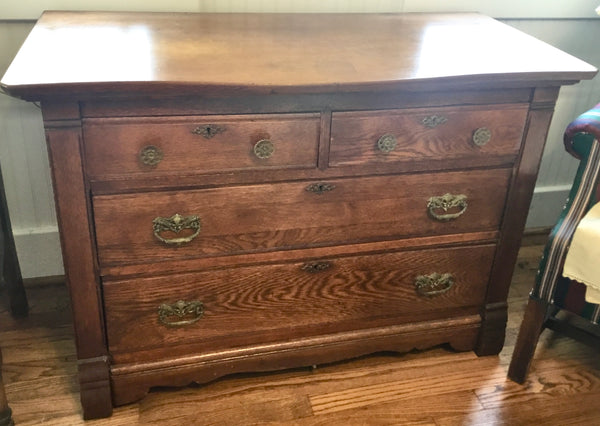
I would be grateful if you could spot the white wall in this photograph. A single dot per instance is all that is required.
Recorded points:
(22, 148)
(19, 9)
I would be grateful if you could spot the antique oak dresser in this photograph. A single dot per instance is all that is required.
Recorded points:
(247, 192)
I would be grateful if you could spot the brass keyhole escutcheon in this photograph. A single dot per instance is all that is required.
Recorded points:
(320, 187)
(433, 121)
(314, 267)
(151, 155)
(208, 130)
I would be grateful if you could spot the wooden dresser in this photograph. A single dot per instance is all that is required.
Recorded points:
(256, 192)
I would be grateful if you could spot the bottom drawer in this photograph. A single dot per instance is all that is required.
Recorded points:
(243, 306)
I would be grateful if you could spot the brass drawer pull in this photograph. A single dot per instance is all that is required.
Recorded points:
(180, 313)
(433, 284)
(208, 130)
(387, 143)
(433, 121)
(176, 224)
(263, 149)
(482, 136)
(445, 203)
(151, 155)
(320, 187)
(314, 267)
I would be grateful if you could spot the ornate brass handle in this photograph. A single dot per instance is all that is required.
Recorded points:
(445, 203)
(387, 143)
(433, 121)
(151, 155)
(320, 187)
(208, 130)
(176, 224)
(263, 149)
(180, 313)
(482, 136)
(433, 284)
(314, 267)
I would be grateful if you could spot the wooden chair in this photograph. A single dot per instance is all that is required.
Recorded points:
(5, 412)
(9, 263)
(552, 292)
(10, 273)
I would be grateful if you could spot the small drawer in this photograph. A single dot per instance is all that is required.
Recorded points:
(159, 226)
(473, 134)
(118, 146)
(251, 305)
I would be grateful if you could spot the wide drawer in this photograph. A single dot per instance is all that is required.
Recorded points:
(259, 304)
(117, 146)
(473, 134)
(150, 227)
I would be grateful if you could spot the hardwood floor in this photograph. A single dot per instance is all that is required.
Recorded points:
(434, 387)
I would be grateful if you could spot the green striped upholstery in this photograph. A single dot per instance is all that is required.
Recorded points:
(581, 140)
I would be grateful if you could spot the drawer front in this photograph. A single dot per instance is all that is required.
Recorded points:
(199, 144)
(259, 304)
(423, 135)
(150, 227)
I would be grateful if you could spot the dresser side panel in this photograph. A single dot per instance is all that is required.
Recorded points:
(63, 137)
(494, 313)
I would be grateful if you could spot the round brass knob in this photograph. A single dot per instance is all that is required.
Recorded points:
(387, 143)
(263, 149)
(482, 136)
(151, 155)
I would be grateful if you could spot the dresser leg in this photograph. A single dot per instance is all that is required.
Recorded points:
(95, 391)
(493, 328)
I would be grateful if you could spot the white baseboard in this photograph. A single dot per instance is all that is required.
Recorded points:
(39, 252)
(546, 205)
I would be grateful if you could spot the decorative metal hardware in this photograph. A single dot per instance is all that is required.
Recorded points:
(433, 284)
(445, 203)
(176, 224)
(387, 143)
(314, 267)
(180, 313)
(151, 155)
(320, 187)
(208, 130)
(263, 149)
(482, 136)
(433, 121)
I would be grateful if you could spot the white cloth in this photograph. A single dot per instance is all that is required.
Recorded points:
(583, 258)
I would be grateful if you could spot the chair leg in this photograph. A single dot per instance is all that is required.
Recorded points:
(9, 266)
(13, 280)
(536, 314)
(5, 412)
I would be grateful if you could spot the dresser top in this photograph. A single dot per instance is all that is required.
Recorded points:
(86, 54)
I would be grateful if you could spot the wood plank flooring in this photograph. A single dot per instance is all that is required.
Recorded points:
(433, 387)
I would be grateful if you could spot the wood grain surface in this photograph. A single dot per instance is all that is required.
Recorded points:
(259, 218)
(113, 146)
(354, 135)
(433, 387)
(243, 306)
(141, 64)
(115, 54)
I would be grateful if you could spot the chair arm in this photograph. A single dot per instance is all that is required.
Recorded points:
(587, 124)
